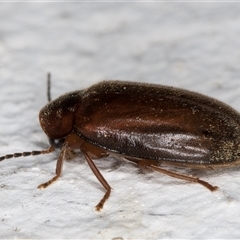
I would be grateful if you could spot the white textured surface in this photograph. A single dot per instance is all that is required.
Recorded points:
(189, 45)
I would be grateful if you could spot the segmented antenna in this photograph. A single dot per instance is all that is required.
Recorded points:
(49, 87)
(26, 154)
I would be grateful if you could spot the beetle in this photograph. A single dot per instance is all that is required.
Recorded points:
(147, 124)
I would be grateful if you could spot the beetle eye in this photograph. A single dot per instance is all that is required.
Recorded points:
(57, 143)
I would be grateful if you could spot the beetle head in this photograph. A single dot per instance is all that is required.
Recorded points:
(57, 117)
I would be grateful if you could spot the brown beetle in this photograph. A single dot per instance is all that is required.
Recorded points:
(147, 124)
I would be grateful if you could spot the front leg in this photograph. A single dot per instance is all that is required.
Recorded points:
(59, 165)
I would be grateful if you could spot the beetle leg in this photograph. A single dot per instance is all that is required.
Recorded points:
(100, 178)
(152, 165)
(61, 156)
(181, 176)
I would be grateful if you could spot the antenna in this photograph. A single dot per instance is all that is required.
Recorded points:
(49, 87)
(25, 154)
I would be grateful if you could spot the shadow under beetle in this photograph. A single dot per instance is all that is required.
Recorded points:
(146, 124)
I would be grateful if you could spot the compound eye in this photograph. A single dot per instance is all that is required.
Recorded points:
(57, 143)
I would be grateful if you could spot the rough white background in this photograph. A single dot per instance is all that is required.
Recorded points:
(189, 45)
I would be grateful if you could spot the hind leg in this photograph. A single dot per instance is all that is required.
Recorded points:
(152, 165)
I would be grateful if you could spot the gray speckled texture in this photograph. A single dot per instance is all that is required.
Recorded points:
(189, 45)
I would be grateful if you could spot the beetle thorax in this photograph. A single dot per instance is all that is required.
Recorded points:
(57, 117)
